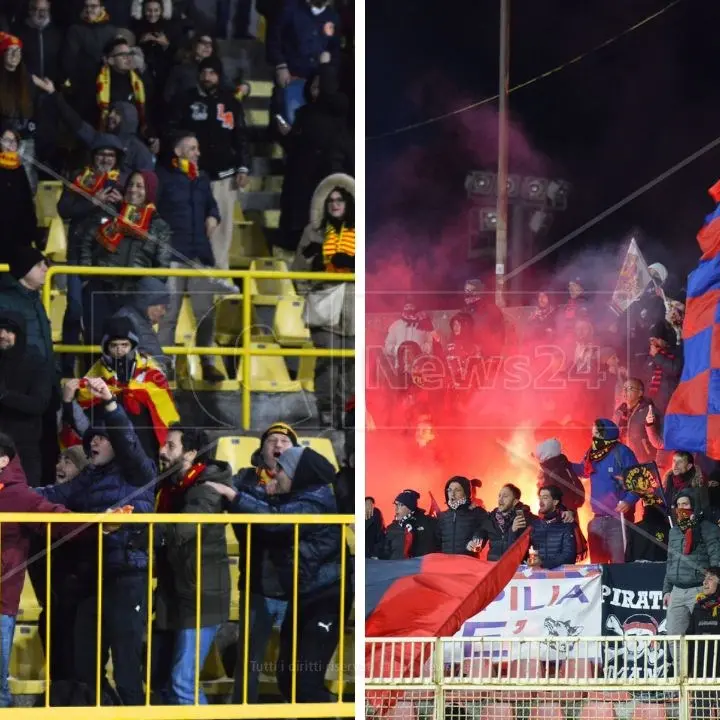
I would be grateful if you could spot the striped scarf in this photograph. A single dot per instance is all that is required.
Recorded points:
(186, 166)
(102, 88)
(10, 160)
(131, 220)
(169, 490)
(103, 17)
(338, 242)
(91, 182)
(657, 375)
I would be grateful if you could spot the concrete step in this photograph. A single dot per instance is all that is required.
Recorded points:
(262, 201)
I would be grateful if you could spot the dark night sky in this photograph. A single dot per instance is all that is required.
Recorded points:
(608, 124)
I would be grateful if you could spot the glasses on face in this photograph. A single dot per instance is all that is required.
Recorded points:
(122, 55)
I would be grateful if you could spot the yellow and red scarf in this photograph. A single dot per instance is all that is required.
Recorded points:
(338, 242)
(131, 220)
(168, 490)
(103, 17)
(10, 160)
(91, 182)
(102, 88)
(265, 475)
(188, 167)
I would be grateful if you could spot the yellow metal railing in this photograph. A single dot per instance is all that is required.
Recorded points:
(292, 709)
(245, 351)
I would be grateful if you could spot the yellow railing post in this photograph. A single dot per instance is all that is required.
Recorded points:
(148, 660)
(198, 599)
(341, 640)
(48, 611)
(100, 668)
(246, 647)
(246, 359)
(296, 575)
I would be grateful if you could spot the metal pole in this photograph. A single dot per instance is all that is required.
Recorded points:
(502, 173)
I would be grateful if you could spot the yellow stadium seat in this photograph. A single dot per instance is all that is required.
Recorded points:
(229, 318)
(29, 611)
(46, 200)
(238, 215)
(186, 325)
(27, 662)
(331, 676)
(271, 219)
(306, 373)
(321, 445)
(58, 303)
(273, 183)
(289, 328)
(248, 242)
(262, 88)
(268, 373)
(236, 451)
(56, 248)
(258, 118)
(261, 34)
(270, 291)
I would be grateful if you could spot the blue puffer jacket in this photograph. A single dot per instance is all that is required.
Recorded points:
(605, 490)
(311, 494)
(298, 38)
(554, 542)
(127, 480)
(185, 204)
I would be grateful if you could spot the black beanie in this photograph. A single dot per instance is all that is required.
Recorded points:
(409, 498)
(23, 260)
(212, 63)
(119, 328)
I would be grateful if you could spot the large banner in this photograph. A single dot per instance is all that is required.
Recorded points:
(539, 603)
(632, 607)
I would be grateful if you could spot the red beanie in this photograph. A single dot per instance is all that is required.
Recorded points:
(151, 184)
(7, 41)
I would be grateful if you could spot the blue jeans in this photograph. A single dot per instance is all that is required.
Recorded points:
(294, 99)
(265, 613)
(605, 540)
(182, 675)
(7, 631)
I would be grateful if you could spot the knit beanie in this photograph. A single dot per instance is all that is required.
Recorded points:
(7, 41)
(211, 63)
(409, 498)
(23, 260)
(76, 456)
(279, 428)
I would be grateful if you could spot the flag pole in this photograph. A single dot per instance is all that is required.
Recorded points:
(501, 234)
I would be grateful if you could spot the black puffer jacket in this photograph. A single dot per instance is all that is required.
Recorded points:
(413, 536)
(456, 528)
(177, 557)
(500, 535)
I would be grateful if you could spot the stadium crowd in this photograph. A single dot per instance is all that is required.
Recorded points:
(617, 368)
(133, 105)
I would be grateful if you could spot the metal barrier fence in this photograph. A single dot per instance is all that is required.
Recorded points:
(634, 677)
(245, 351)
(109, 523)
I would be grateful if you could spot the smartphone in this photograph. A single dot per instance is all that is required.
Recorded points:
(282, 121)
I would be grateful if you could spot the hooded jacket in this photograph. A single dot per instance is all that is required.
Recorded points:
(186, 204)
(177, 558)
(556, 469)
(150, 291)
(688, 571)
(320, 545)
(27, 304)
(25, 388)
(136, 154)
(456, 528)
(128, 479)
(605, 490)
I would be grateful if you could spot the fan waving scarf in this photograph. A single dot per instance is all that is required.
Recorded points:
(425, 597)
(692, 419)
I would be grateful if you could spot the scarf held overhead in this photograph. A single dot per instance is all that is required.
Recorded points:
(103, 95)
(131, 220)
(148, 389)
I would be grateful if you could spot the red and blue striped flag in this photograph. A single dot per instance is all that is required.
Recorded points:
(692, 420)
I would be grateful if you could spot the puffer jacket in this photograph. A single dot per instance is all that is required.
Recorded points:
(456, 528)
(319, 552)
(177, 558)
(28, 304)
(688, 571)
(127, 480)
(553, 540)
(413, 536)
(132, 251)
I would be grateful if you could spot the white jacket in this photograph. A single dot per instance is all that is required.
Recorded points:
(400, 332)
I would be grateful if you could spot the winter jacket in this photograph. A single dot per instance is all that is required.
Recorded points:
(556, 469)
(401, 331)
(374, 535)
(267, 548)
(132, 251)
(649, 541)
(218, 121)
(19, 225)
(150, 291)
(82, 52)
(500, 536)
(135, 153)
(413, 536)
(27, 303)
(456, 528)
(297, 38)
(127, 480)
(553, 540)
(688, 571)
(25, 389)
(319, 552)
(703, 659)
(183, 78)
(692, 479)
(671, 365)
(16, 496)
(41, 49)
(176, 559)
(605, 490)
(185, 204)
(643, 439)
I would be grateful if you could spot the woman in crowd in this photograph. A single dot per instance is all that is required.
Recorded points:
(157, 37)
(137, 237)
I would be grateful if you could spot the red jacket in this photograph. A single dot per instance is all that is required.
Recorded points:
(16, 496)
